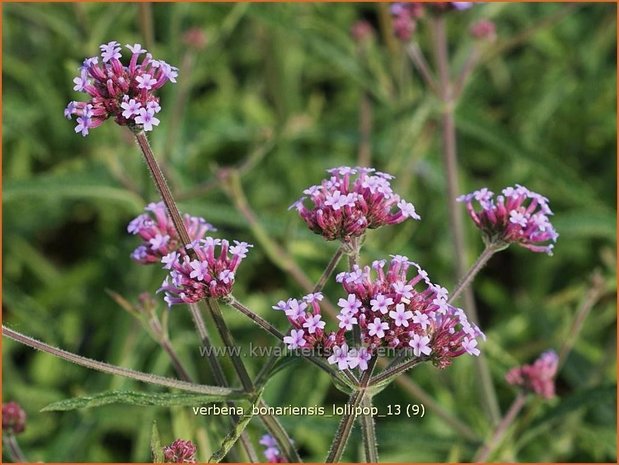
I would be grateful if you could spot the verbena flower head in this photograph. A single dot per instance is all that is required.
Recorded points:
(180, 451)
(158, 234)
(483, 30)
(125, 93)
(404, 17)
(538, 377)
(391, 311)
(271, 452)
(517, 216)
(351, 201)
(208, 273)
(13, 418)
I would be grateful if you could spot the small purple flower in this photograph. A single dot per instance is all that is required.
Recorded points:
(350, 305)
(207, 275)
(147, 119)
(400, 315)
(381, 303)
(517, 216)
(346, 321)
(13, 418)
(159, 236)
(131, 108)
(420, 345)
(118, 91)
(340, 357)
(359, 358)
(271, 453)
(538, 377)
(83, 123)
(314, 323)
(377, 328)
(351, 201)
(180, 451)
(295, 340)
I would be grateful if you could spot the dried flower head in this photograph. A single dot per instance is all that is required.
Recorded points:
(391, 311)
(271, 452)
(350, 201)
(180, 451)
(538, 377)
(13, 418)
(206, 275)
(517, 216)
(158, 234)
(125, 93)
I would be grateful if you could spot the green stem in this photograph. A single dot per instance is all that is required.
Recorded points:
(264, 324)
(228, 340)
(368, 433)
(389, 374)
(14, 451)
(342, 435)
(329, 269)
(495, 441)
(115, 370)
(456, 226)
(176, 361)
(481, 261)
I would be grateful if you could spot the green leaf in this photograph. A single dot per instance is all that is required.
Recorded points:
(138, 398)
(236, 432)
(155, 445)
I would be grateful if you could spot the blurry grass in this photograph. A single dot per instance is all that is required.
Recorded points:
(541, 114)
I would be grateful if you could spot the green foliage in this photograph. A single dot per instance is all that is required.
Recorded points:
(288, 79)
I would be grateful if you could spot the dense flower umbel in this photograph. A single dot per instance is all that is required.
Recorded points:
(406, 14)
(13, 418)
(539, 377)
(125, 93)
(180, 451)
(205, 275)
(391, 311)
(518, 216)
(272, 452)
(351, 201)
(159, 235)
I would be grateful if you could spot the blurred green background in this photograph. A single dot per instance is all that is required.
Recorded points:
(286, 82)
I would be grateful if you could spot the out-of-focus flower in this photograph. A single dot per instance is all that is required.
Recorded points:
(13, 418)
(517, 216)
(271, 452)
(404, 16)
(180, 451)
(125, 93)
(390, 310)
(206, 275)
(361, 31)
(484, 30)
(158, 234)
(538, 377)
(195, 38)
(351, 201)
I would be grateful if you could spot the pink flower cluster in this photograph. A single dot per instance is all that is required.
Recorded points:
(390, 311)
(517, 216)
(205, 275)
(159, 235)
(272, 452)
(406, 14)
(180, 451)
(13, 418)
(539, 377)
(125, 93)
(350, 201)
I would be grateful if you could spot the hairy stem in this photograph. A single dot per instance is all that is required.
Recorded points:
(467, 279)
(342, 435)
(416, 55)
(450, 162)
(264, 324)
(495, 441)
(389, 374)
(176, 361)
(115, 370)
(368, 433)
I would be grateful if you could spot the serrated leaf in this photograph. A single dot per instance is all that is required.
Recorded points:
(155, 445)
(143, 399)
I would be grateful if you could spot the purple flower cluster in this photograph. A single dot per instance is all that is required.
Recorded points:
(272, 452)
(13, 418)
(159, 235)
(517, 216)
(206, 275)
(125, 93)
(180, 451)
(538, 377)
(350, 201)
(390, 311)
(405, 15)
